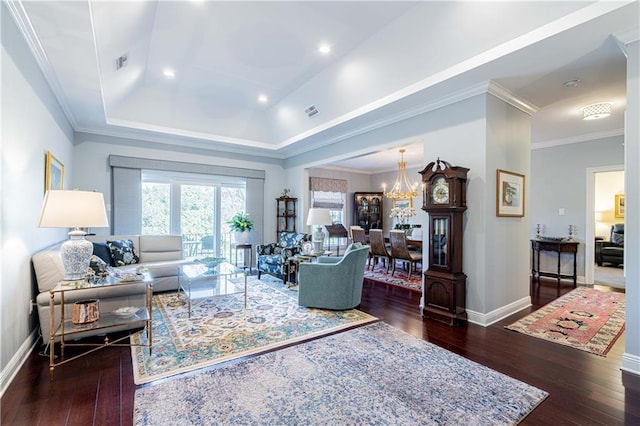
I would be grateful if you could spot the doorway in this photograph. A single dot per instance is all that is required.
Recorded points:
(603, 183)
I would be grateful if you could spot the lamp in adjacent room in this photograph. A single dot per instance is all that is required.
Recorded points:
(74, 209)
(318, 218)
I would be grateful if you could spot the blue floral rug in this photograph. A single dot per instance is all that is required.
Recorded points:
(220, 329)
(375, 374)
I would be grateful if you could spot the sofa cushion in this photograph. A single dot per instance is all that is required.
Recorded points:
(103, 252)
(122, 252)
(160, 248)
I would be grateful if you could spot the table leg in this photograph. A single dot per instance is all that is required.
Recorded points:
(245, 289)
(150, 321)
(558, 283)
(575, 277)
(51, 335)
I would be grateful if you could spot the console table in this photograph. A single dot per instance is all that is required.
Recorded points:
(559, 247)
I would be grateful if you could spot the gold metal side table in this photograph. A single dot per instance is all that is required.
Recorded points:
(65, 327)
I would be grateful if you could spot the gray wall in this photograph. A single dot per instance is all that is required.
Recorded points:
(32, 123)
(93, 172)
(559, 181)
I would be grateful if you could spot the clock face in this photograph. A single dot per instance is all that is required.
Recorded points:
(440, 191)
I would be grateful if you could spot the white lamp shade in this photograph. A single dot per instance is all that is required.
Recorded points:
(73, 209)
(319, 217)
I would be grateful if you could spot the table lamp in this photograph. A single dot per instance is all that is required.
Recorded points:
(74, 209)
(318, 218)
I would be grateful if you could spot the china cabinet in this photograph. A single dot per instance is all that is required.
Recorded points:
(368, 211)
(285, 215)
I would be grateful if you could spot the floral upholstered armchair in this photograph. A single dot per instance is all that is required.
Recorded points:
(273, 257)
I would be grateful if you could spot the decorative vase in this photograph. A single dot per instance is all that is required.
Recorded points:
(242, 237)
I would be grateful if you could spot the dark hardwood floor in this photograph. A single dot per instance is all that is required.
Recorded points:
(585, 389)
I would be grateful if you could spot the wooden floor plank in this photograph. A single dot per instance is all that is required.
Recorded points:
(585, 389)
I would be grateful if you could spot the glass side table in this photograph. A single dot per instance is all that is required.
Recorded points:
(66, 328)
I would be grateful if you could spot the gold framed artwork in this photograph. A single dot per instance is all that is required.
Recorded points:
(619, 206)
(54, 173)
(403, 203)
(509, 194)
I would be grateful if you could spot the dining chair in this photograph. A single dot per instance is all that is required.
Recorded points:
(400, 251)
(358, 235)
(378, 249)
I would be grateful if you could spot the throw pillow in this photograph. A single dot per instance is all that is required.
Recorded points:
(97, 264)
(122, 252)
(103, 252)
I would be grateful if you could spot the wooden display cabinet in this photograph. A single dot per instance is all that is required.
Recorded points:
(285, 215)
(368, 211)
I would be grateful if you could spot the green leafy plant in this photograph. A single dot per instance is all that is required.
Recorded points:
(240, 222)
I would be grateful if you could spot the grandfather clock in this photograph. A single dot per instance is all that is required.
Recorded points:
(445, 199)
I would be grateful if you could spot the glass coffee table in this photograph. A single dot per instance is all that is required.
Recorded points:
(198, 281)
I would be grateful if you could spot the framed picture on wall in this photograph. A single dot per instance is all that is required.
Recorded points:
(54, 173)
(509, 194)
(403, 203)
(619, 206)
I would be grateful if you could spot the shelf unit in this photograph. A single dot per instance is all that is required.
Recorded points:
(285, 215)
(368, 212)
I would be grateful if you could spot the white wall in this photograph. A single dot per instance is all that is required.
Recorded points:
(32, 123)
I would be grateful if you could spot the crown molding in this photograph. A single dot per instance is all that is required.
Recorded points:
(20, 17)
(624, 38)
(577, 139)
(509, 97)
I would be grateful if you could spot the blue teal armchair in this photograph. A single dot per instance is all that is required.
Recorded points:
(333, 282)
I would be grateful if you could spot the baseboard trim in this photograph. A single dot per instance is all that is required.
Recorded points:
(630, 363)
(9, 372)
(496, 315)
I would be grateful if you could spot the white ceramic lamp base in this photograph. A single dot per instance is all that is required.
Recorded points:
(76, 255)
(318, 240)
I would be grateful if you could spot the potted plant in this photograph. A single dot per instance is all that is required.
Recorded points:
(240, 224)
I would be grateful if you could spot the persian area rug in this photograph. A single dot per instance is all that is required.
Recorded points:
(220, 329)
(401, 278)
(586, 319)
(374, 374)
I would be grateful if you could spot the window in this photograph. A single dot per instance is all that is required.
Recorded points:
(329, 194)
(195, 206)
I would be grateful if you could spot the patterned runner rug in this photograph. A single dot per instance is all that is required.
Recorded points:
(220, 329)
(400, 278)
(586, 319)
(374, 374)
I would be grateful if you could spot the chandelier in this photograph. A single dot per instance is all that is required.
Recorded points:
(401, 189)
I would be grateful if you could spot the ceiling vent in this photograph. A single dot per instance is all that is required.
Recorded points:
(311, 111)
(121, 62)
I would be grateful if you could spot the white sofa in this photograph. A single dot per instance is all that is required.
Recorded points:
(161, 254)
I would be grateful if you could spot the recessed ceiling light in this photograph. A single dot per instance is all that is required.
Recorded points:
(324, 48)
(596, 111)
(169, 73)
(263, 99)
(571, 83)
